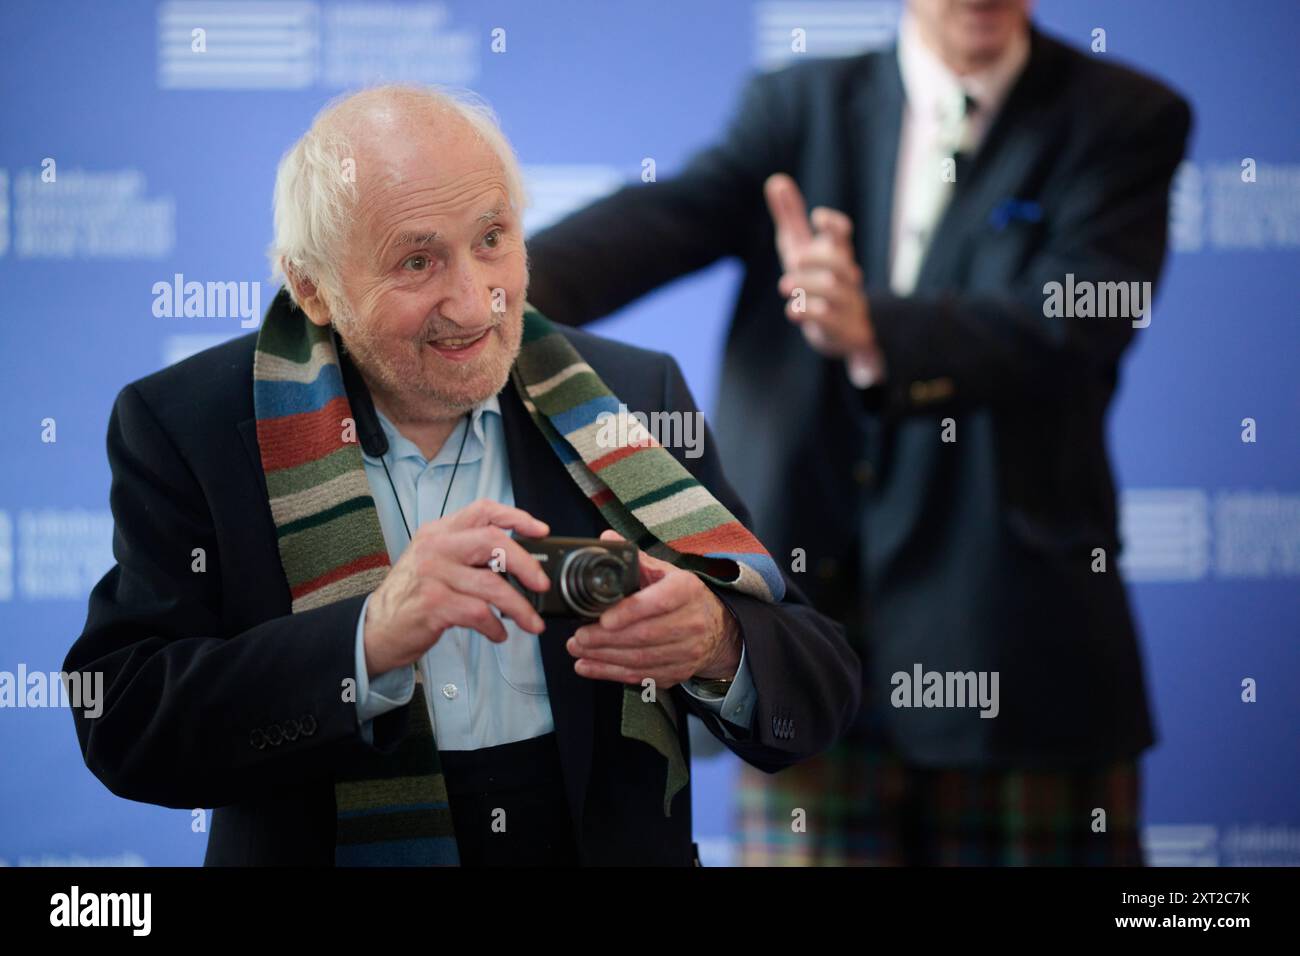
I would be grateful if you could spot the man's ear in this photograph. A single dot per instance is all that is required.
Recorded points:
(308, 296)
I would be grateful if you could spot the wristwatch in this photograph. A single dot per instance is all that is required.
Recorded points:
(718, 685)
(713, 685)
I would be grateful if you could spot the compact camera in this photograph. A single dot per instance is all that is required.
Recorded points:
(588, 576)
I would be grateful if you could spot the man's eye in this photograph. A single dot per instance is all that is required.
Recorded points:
(493, 239)
(416, 263)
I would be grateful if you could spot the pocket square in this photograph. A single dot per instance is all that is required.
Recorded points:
(1011, 210)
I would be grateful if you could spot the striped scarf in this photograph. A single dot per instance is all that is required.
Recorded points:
(393, 808)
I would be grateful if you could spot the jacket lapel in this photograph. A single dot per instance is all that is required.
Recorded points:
(1016, 141)
(544, 489)
(876, 119)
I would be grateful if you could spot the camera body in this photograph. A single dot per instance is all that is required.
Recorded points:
(588, 576)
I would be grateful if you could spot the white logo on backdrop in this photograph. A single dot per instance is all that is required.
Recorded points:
(366, 43)
(833, 28)
(1217, 206)
(297, 44)
(1179, 534)
(1167, 845)
(1254, 844)
(237, 46)
(91, 215)
(1256, 535)
(4, 211)
(6, 557)
(1166, 534)
(62, 554)
(76, 859)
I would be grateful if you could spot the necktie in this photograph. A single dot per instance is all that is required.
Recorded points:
(929, 187)
(945, 151)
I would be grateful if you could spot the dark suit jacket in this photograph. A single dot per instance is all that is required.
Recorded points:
(968, 555)
(196, 663)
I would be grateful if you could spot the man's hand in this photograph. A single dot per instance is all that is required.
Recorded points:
(834, 314)
(672, 629)
(443, 580)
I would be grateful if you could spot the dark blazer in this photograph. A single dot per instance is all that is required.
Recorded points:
(968, 555)
(196, 664)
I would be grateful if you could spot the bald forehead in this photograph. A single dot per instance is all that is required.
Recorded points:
(392, 127)
(437, 161)
(387, 106)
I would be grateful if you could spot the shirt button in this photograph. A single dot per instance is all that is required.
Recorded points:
(450, 691)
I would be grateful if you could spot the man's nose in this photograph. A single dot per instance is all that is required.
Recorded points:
(467, 297)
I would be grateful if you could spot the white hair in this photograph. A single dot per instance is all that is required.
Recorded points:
(314, 198)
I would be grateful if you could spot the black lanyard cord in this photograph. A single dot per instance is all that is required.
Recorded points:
(445, 498)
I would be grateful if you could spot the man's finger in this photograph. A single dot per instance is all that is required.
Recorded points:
(816, 283)
(649, 568)
(662, 597)
(492, 588)
(491, 546)
(817, 336)
(656, 567)
(789, 213)
(660, 630)
(463, 610)
(487, 512)
(595, 670)
(834, 223)
(824, 253)
(644, 656)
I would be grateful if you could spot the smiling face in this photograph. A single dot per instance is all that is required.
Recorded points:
(434, 248)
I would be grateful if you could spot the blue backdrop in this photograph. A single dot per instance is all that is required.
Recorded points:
(128, 158)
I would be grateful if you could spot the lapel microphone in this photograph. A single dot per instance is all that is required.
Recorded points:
(371, 434)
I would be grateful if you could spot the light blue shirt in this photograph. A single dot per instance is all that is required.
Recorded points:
(479, 693)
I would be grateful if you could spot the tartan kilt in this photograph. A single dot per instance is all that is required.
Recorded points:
(864, 806)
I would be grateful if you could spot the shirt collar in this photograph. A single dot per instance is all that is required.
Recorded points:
(933, 91)
(400, 447)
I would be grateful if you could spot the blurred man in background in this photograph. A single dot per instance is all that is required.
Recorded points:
(898, 356)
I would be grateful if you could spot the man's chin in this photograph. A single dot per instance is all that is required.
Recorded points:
(465, 385)
(460, 402)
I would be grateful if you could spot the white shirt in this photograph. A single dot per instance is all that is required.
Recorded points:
(478, 693)
(934, 124)
(931, 93)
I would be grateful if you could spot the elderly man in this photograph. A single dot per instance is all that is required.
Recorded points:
(306, 628)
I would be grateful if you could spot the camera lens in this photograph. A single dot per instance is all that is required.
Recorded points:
(591, 579)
